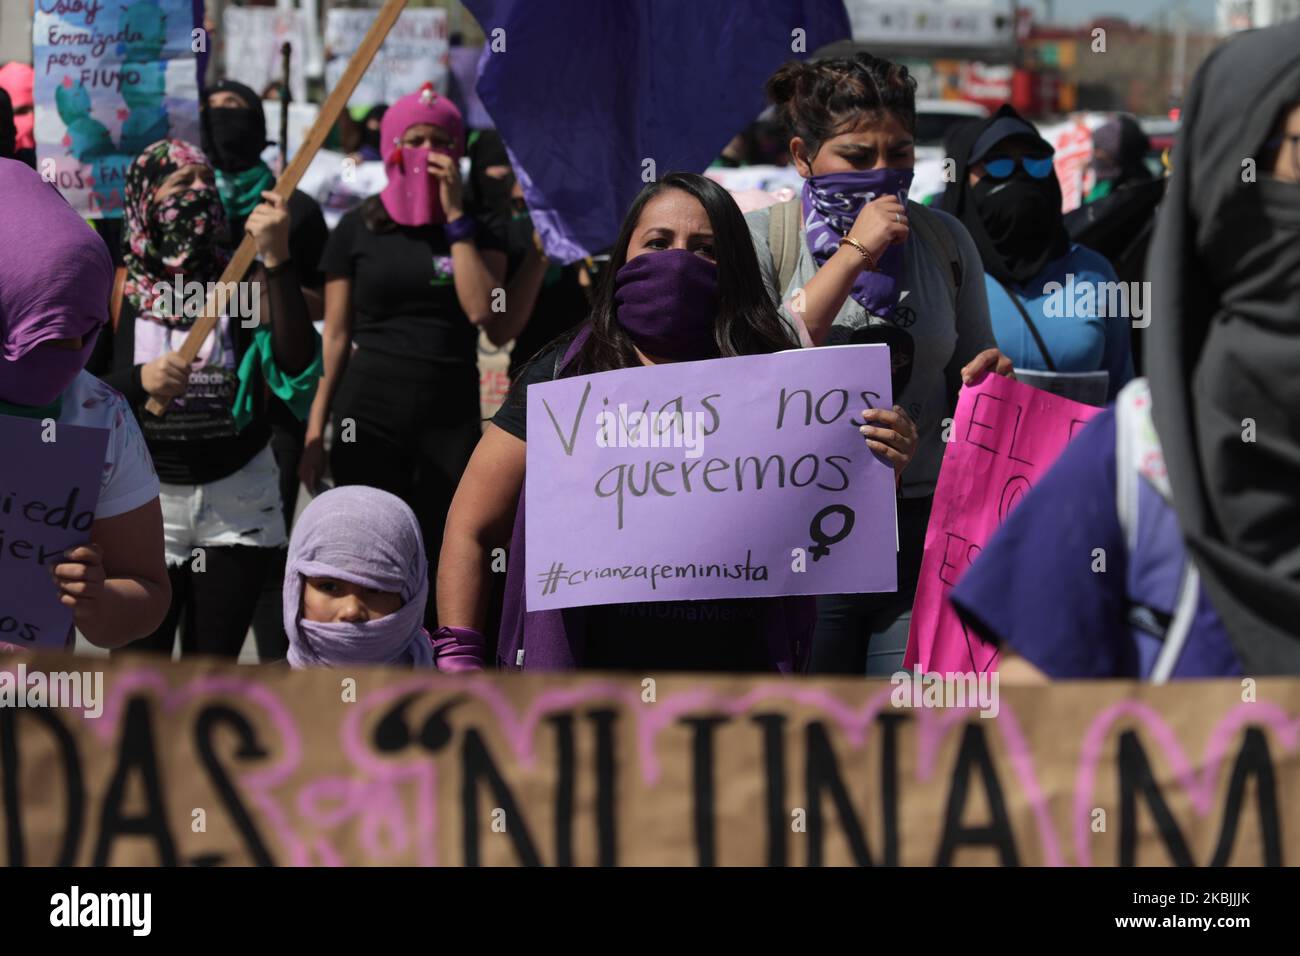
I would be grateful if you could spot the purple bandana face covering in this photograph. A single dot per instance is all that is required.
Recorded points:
(668, 302)
(831, 204)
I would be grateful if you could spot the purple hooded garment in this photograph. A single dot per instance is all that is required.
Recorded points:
(369, 538)
(555, 640)
(55, 280)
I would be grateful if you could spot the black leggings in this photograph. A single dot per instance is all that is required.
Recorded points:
(867, 633)
(214, 607)
(414, 427)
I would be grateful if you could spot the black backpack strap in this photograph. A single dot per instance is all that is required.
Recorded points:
(1033, 329)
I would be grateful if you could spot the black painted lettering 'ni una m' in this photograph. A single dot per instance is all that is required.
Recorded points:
(702, 784)
(773, 726)
(137, 754)
(974, 755)
(1135, 778)
(822, 773)
(1252, 760)
(11, 767)
(476, 765)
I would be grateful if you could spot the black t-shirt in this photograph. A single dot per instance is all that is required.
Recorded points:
(403, 296)
(669, 635)
(512, 416)
(195, 442)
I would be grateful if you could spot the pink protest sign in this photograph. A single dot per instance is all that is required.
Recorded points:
(1004, 436)
(49, 485)
(731, 478)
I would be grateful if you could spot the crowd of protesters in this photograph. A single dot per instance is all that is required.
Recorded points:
(195, 534)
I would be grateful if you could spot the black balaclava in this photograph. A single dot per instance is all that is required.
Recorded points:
(8, 133)
(1017, 222)
(234, 138)
(489, 194)
(1223, 349)
(370, 137)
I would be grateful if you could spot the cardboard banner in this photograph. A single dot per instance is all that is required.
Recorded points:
(49, 486)
(1005, 435)
(110, 80)
(414, 53)
(253, 36)
(216, 764)
(732, 478)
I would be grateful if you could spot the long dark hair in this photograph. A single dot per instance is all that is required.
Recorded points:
(747, 321)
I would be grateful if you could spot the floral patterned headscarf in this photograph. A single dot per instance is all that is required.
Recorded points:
(183, 234)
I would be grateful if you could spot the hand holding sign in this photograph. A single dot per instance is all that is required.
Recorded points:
(729, 478)
(48, 492)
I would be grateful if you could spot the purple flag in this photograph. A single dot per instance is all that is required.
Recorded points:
(49, 485)
(585, 94)
(729, 478)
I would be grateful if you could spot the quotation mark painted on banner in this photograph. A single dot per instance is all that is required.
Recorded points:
(498, 560)
(498, 44)
(49, 430)
(1248, 170)
(498, 820)
(348, 688)
(348, 433)
(648, 170)
(798, 560)
(198, 560)
(1098, 560)
(1098, 820)
(648, 689)
(198, 820)
(198, 40)
(1099, 40)
(798, 40)
(1248, 690)
(1248, 430)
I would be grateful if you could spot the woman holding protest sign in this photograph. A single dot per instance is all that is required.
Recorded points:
(683, 284)
(1164, 543)
(852, 261)
(410, 279)
(1049, 298)
(220, 493)
(53, 305)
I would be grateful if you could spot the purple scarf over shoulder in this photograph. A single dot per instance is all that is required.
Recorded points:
(556, 640)
(370, 538)
(831, 203)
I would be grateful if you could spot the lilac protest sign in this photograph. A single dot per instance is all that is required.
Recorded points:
(730, 478)
(49, 485)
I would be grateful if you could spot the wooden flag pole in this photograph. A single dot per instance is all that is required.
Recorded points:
(288, 181)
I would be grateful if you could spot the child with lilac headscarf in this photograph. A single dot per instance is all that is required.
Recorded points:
(356, 585)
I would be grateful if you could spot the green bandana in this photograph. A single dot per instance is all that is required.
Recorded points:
(242, 192)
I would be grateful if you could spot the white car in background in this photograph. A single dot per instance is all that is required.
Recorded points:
(934, 119)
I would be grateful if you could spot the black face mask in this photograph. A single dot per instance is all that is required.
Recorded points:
(1023, 224)
(234, 138)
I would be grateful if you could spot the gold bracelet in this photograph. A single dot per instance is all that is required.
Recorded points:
(862, 251)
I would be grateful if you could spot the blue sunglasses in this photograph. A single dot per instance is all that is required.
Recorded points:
(1004, 166)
